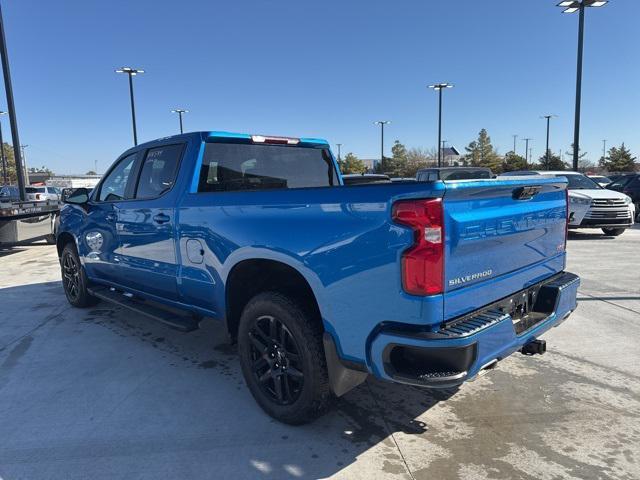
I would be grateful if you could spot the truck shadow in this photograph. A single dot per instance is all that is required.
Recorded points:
(211, 410)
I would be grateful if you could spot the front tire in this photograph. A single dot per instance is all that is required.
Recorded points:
(282, 358)
(613, 232)
(74, 280)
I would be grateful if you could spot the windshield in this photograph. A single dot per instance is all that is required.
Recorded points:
(580, 182)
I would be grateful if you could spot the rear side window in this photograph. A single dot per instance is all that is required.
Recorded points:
(158, 171)
(232, 166)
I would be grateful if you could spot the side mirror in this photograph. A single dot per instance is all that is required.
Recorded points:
(79, 196)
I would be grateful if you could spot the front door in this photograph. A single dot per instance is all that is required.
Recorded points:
(146, 226)
(98, 243)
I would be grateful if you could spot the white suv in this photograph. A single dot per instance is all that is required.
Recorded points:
(590, 205)
(40, 194)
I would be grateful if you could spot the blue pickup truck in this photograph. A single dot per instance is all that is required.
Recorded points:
(321, 284)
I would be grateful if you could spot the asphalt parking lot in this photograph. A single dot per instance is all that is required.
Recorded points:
(104, 393)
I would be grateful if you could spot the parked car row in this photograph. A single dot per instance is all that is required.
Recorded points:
(595, 201)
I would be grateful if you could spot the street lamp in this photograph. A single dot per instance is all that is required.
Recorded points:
(180, 111)
(547, 152)
(572, 6)
(8, 88)
(339, 145)
(24, 165)
(604, 150)
(439, 87)
(131, 72)
(526, 150)
(3, 159)
(515, 138)
(382, 123)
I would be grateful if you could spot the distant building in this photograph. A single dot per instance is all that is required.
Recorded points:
(371, 163)
(451, 157)
(74, 181)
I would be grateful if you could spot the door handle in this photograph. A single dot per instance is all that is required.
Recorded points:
(110, 217)
(161, 218)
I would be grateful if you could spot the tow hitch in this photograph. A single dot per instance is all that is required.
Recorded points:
(535, 347)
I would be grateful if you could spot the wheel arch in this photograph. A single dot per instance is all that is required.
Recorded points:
(250, 277)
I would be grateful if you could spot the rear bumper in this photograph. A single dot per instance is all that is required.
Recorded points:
(458, 350)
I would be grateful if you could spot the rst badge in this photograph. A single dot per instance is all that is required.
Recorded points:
(454, 282)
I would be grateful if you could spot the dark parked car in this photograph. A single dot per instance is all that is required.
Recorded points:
(453, 173)
(629, 185)
(9, 193)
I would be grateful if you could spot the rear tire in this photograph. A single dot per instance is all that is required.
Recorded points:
(74, 280)
(613, 232)
(282, 359)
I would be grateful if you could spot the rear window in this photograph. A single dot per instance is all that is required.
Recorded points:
(232, 166)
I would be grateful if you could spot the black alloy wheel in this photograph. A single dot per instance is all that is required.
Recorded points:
(71, 280)
(276, 360)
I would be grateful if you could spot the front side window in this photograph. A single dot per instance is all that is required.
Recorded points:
(233, 166)
(158, 171)
(114, 186)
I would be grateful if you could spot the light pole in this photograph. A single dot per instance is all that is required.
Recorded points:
(339, 145)
(444, 146)
(526, 150)
(24, 162)
(572, 6)
(11, 109)
(180, 111)
(382, 123)
(515, 137)
(5, 178)
(547, 152)
(131, 72)
(439, 87)
(604, 150)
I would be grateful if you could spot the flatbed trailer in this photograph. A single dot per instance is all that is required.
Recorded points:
(27, 222)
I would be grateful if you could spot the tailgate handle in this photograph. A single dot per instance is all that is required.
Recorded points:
(526, 193)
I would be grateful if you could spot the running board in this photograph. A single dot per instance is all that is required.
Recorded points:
(182, 322)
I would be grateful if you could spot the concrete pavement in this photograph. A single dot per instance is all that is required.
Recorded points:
(104, 393)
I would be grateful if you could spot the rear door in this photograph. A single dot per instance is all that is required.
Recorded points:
(147, 226)
(501, 236)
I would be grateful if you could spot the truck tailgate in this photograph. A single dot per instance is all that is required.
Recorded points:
(502, 235)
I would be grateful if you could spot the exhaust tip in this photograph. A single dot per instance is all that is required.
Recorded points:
(534, 347)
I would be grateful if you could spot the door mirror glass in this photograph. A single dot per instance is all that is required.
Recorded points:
(79, 196)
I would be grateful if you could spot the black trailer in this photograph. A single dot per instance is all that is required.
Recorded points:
(22, 223)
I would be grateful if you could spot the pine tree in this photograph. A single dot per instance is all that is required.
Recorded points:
(397, 164)
(553, 163)
(480, 153)
(619, 160)
(352, 164)
(513, 162)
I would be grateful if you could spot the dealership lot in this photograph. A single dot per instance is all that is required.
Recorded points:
(105, 393)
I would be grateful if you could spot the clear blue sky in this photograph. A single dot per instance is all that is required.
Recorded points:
(325, 69)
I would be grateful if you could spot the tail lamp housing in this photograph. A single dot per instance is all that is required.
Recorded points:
(423, 262)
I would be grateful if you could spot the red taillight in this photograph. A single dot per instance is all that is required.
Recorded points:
(423, 263)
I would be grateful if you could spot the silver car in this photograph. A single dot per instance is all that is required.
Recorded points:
(41, 194)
